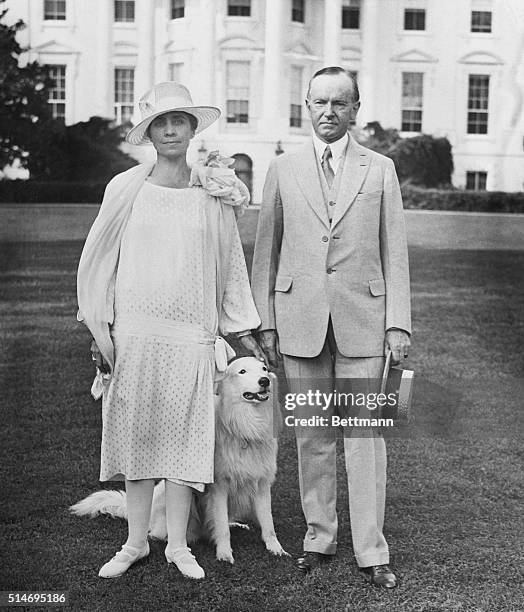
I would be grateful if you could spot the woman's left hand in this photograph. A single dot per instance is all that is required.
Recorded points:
(98, 358)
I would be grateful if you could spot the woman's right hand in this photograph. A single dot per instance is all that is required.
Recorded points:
(97, 357)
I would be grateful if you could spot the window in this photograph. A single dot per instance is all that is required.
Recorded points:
(412, 101)
(55, 10)
(57, 93)
(175, 72)
(478, 94)
(177, 9)
(350, 14)
(239, 8)
(124, 94)
(124, 11)
(295, 108)
(298, 11)
(244, 169)
(414, 19)
(481, 21)
(354, 74)
(237, 76)
(476, 181)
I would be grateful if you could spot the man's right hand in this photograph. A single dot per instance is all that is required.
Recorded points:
(97, 357)
(268, 340)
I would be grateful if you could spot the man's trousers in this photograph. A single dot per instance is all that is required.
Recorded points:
(365, 459)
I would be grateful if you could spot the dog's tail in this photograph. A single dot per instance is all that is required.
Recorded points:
(102, 502)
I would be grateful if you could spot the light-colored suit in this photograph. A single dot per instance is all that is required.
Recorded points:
(354, 269)
(331, 290)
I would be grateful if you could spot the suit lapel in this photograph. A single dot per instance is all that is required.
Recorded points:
(356, 167)
(306, 173)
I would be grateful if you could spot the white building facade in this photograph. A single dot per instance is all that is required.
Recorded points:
(451, 68)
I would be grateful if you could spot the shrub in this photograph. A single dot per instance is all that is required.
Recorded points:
(459, 200)
(422, 160)
(51, 191)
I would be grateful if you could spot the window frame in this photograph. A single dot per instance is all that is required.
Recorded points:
(247, 4)
(60, 88)
(412, 110)
(296, 86)
(171, 71)
(240, 103)
(119, 105)
(298, 11)
(350, 8)
(415, 11)
(55, 11)
(477, 115)
(174, 9)
(481, 31)
(124, 7)
(479, 180)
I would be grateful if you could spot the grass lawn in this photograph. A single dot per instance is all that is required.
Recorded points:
(454, 509)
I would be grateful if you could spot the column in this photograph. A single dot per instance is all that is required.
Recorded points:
(274, 115)
(202, 84)
(370, 52)
(332, 32)
(103, 94)
(145, 63)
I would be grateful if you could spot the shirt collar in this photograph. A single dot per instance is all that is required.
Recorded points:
(337, 148)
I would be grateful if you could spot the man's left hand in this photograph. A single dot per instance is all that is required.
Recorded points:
(397, 341)
(250, 344)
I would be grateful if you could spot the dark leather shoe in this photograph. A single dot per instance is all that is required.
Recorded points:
(380, 576)
(310, 560)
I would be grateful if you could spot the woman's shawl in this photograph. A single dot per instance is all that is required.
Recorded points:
(99, 259)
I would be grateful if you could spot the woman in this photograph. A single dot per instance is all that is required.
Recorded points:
(161, 273)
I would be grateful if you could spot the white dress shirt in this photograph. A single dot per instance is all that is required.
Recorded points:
(338, 148)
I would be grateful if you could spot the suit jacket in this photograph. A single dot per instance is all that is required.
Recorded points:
(354, 269)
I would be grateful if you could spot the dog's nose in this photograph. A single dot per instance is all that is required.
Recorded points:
(264, 381)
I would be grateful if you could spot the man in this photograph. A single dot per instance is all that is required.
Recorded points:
(331, 284)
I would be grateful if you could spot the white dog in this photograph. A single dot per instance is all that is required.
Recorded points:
(247, 423)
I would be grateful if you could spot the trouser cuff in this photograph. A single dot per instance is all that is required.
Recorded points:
(373, 559)
(324, 548)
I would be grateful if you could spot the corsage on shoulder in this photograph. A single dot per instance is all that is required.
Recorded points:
(220, 181)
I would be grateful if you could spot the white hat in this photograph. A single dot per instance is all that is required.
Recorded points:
(164, 98)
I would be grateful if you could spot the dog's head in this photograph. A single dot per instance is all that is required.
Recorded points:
(249, 379)
(247, 394)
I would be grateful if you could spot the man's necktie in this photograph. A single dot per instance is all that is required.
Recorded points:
(326, 167)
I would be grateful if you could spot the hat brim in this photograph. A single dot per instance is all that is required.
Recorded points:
(205, 116)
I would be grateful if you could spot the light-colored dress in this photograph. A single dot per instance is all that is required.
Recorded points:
(158, 411)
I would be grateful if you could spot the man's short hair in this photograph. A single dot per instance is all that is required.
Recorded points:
(336, 70)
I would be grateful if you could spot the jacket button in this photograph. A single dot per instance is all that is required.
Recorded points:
(332, 203)
(325, 238)
(329, 270)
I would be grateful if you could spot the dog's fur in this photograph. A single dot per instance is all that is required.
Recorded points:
(245, 466)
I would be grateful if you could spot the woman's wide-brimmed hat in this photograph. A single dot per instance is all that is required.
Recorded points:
(164, 98)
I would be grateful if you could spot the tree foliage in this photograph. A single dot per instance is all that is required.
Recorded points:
(23, 97)
(424, 161)
(85, 151)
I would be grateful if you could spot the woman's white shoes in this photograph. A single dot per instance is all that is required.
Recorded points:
(122, 561)
(125, 558)
(185, 562)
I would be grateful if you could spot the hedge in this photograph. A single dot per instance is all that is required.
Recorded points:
(414, 197)
(459, 200)
(51, 191)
